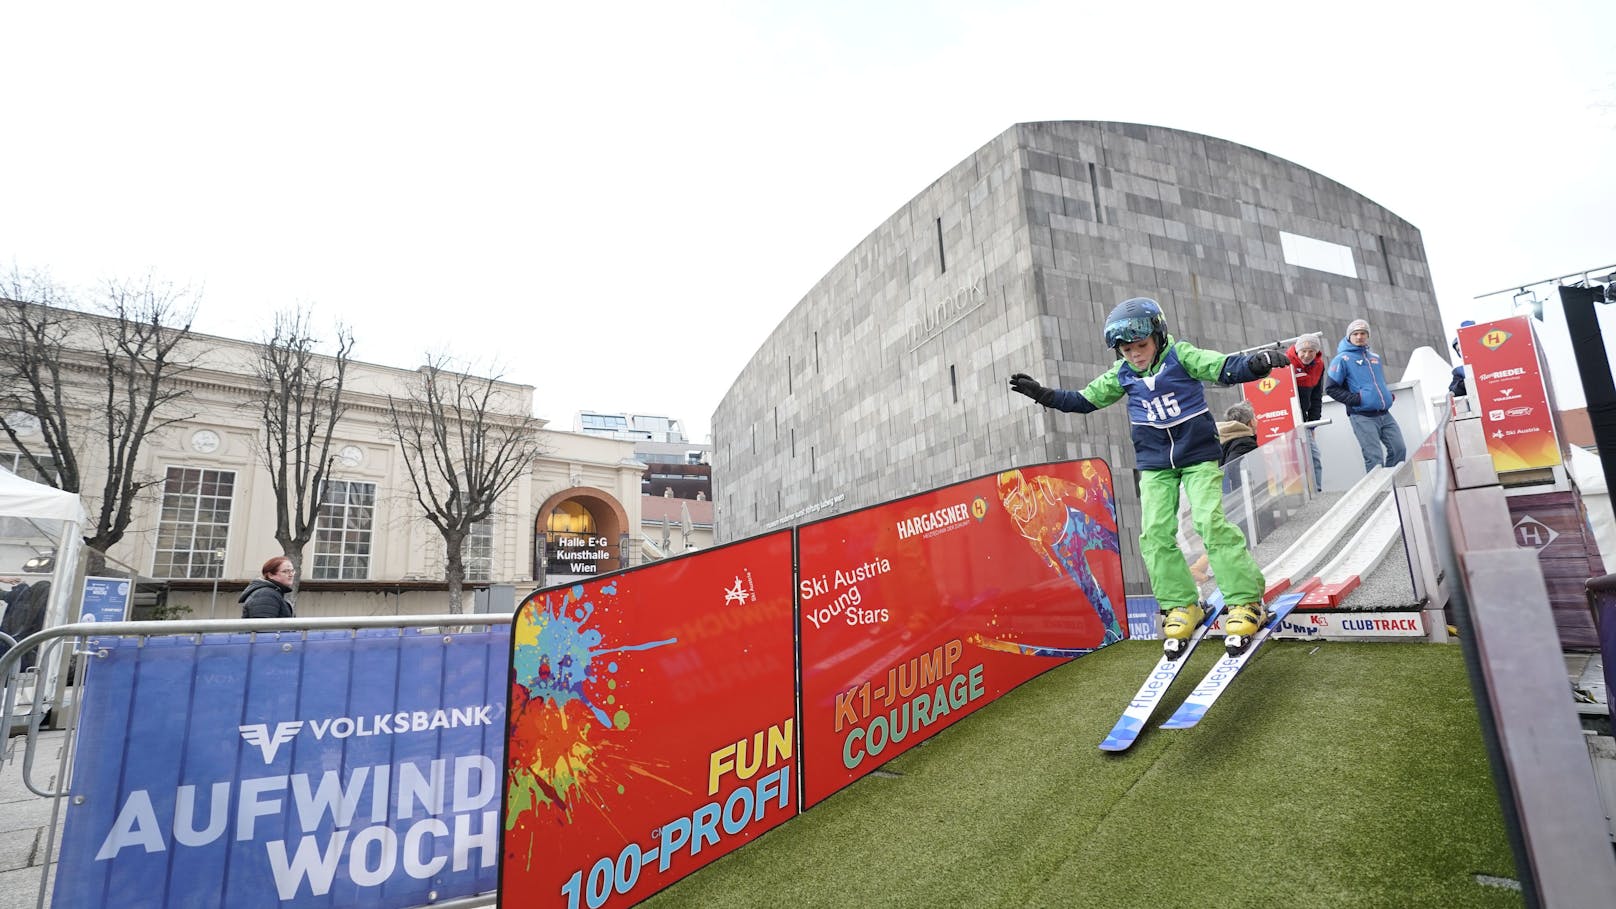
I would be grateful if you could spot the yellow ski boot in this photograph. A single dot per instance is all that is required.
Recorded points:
(1177, 627)
(1241, 624)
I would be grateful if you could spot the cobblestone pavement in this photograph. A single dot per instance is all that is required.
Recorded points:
(25, 819)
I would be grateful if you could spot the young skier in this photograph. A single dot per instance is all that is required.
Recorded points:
(1175, 442)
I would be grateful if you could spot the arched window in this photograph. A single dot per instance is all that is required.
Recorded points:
(571, 517)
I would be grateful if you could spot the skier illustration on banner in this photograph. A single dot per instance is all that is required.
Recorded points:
(1054, 516)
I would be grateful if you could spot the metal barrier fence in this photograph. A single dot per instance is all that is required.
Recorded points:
(303, 762)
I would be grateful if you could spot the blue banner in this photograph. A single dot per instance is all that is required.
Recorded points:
(319, 770)
(1142, 612)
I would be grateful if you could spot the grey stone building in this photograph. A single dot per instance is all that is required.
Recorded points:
(890, 376)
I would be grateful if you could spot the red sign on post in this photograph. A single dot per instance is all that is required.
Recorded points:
(1510, 394)
(1273, 399)
(915, 613)
(651, 726)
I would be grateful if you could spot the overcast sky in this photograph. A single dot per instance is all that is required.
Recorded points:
(617, 202)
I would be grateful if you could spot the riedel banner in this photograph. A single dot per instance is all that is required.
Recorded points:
(652, 724)
(340, 769)
(1510, 394)
(919, 611)
(1273, 400)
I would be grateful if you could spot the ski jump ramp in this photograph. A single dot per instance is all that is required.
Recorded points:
(1330, 560)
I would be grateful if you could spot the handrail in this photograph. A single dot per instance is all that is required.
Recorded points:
(239, 626)
(1447, 554)
(1605, 583)
(49, 637)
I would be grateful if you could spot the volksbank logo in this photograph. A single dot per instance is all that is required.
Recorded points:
(259, 736)
(268, 741)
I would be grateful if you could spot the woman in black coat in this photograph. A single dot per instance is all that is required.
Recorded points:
(265, 598)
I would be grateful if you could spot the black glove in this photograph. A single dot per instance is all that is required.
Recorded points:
(1021, 383)
(1265, 361)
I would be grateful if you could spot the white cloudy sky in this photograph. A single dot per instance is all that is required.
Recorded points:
(617, 202)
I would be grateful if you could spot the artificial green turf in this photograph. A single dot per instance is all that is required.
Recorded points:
(1330, 774)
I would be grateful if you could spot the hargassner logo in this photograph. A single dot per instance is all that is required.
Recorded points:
(935, 522)
(259, 736)
(268, 742)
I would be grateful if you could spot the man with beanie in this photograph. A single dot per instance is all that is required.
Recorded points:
(1307, 362)
(1356, 379)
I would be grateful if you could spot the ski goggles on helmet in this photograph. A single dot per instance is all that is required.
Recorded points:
(1126, 331)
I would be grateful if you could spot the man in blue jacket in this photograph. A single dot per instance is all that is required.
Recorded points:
(1355, 378)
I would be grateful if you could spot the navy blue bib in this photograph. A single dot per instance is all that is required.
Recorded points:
(1166, 399)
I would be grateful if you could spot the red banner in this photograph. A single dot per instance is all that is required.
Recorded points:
(1510, 395)
(917, 612)
(1273, 399)
(651, 726)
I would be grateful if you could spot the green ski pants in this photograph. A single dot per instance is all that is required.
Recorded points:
(1238, 576)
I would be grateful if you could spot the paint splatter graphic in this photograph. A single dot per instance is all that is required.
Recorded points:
(567, 708)
(1066, 523)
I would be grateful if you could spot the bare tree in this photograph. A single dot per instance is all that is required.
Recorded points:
(462, 453)
(132, 351)
(299, 398)
(33, 396)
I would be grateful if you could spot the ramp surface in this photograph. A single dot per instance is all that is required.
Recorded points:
(1349, 774)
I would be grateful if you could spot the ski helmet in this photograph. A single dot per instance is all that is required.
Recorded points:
(1135, 320)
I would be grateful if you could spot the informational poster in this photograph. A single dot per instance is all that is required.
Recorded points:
(1510, 394)
(1273, 399)
(104, 600)
(652, 724)
(915, 613)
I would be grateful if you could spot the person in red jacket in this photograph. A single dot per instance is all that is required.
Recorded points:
(1307, 363)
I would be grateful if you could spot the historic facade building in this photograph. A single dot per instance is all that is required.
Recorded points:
(207, 525)
(890, 376)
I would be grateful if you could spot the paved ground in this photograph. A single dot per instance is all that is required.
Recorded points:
(25, 819)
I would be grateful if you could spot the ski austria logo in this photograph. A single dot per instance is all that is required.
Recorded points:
(979, 509)
(1267, 384)
(1495, 339)
(268, 741)
(741, 593)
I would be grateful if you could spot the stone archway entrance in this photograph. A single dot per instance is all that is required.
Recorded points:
(579, 532)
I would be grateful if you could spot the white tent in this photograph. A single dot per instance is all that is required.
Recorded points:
(27, 499)
(35, 503)
(47, 512)
(1589, 474)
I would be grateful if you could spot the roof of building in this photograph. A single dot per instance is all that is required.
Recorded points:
(658, 509)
